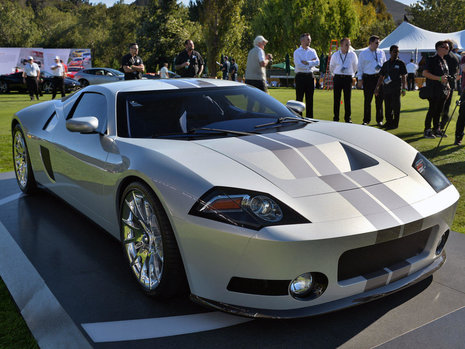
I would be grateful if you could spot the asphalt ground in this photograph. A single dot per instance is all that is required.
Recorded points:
(72, 286)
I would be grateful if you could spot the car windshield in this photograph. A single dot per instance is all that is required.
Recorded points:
(114, 71)
(200, 113)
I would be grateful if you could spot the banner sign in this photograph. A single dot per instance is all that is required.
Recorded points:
(14, 58)
(8, 58)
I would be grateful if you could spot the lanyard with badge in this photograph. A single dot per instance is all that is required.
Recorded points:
(344, 68)
(378, 67)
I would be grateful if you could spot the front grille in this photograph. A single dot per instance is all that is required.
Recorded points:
(373, 258)
(258, 286)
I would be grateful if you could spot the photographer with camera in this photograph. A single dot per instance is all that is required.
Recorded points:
(436, 73)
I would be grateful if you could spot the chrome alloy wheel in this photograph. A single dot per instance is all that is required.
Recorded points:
(20, 159)
(142, 239)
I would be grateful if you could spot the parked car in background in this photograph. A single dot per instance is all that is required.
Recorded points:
(94, 76)
(15, 82)
(171, 74)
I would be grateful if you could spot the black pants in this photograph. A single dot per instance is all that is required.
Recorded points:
(445, 111)
(411, 81)
(460, 126)
(369, 85)
(260, 84)
(58, 84)
(436, 105)
(32, 86)
(305, 85)
(342, 83)
(392, 107)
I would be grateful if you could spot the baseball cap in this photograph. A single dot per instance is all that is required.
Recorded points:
(56, 57)
(29, 58)
(259, 39)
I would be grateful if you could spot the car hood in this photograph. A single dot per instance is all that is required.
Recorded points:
(305, 163)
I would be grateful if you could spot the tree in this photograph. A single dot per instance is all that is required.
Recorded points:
(443, 16)
(282, 22)
(223, 25)
(17, 26)
(371, 23)
(165, 27)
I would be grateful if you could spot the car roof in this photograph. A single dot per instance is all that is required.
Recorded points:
(165, 84)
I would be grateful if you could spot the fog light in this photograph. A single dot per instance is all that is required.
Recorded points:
(301, 285)
(308, 286)
(442, 243)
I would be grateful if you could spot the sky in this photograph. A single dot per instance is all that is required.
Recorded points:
(186, 2)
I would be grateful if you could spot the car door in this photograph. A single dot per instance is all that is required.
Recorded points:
(79, 159)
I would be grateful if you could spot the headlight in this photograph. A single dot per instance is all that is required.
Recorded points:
(244, 208)
(430, 173)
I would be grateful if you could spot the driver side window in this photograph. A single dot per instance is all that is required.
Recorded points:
(92, 104)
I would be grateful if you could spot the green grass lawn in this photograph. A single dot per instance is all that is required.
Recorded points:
(449, 158)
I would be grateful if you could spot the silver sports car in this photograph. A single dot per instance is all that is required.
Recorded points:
(217, 189)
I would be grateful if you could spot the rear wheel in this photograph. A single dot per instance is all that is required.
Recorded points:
(22, 162)
(149, 244)
(47, 87)
(3, 87)
(83, 82)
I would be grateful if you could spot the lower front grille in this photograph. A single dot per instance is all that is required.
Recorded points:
(373, 258)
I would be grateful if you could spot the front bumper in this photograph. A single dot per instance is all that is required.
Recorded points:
(330, 306)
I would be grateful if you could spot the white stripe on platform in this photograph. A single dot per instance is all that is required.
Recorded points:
(51, 326)
(10, 198)
(159, 327)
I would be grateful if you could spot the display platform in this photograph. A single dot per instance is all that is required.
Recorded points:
(71, 284)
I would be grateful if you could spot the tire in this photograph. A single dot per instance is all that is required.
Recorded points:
(149, 244)
(4, 87)
(22, 163)
(83, 83)
(47, 87)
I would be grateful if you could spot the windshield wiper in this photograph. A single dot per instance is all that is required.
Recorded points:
(219, 130)
(284, 120)
(211, 131)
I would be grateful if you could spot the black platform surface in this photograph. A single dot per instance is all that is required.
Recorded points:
(73, 288)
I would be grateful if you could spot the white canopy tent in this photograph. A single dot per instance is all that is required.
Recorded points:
(412, 41)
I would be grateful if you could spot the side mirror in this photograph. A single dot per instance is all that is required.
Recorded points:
(298, 107)
(85, 124)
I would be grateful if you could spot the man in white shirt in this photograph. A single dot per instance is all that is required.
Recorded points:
(255, 72)
(58, 72)
(164, 72)
(411, 71)
(343, 65)
(31, 74)
(305, 58)
(370, 62)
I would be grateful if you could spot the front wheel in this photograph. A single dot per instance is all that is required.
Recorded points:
(22, 162)
(149, 243)
(83, 82)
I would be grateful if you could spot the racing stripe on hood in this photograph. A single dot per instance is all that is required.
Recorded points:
(386, 196)
(179, 83)
(286, 154)
(311, 152)
(362, 201)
